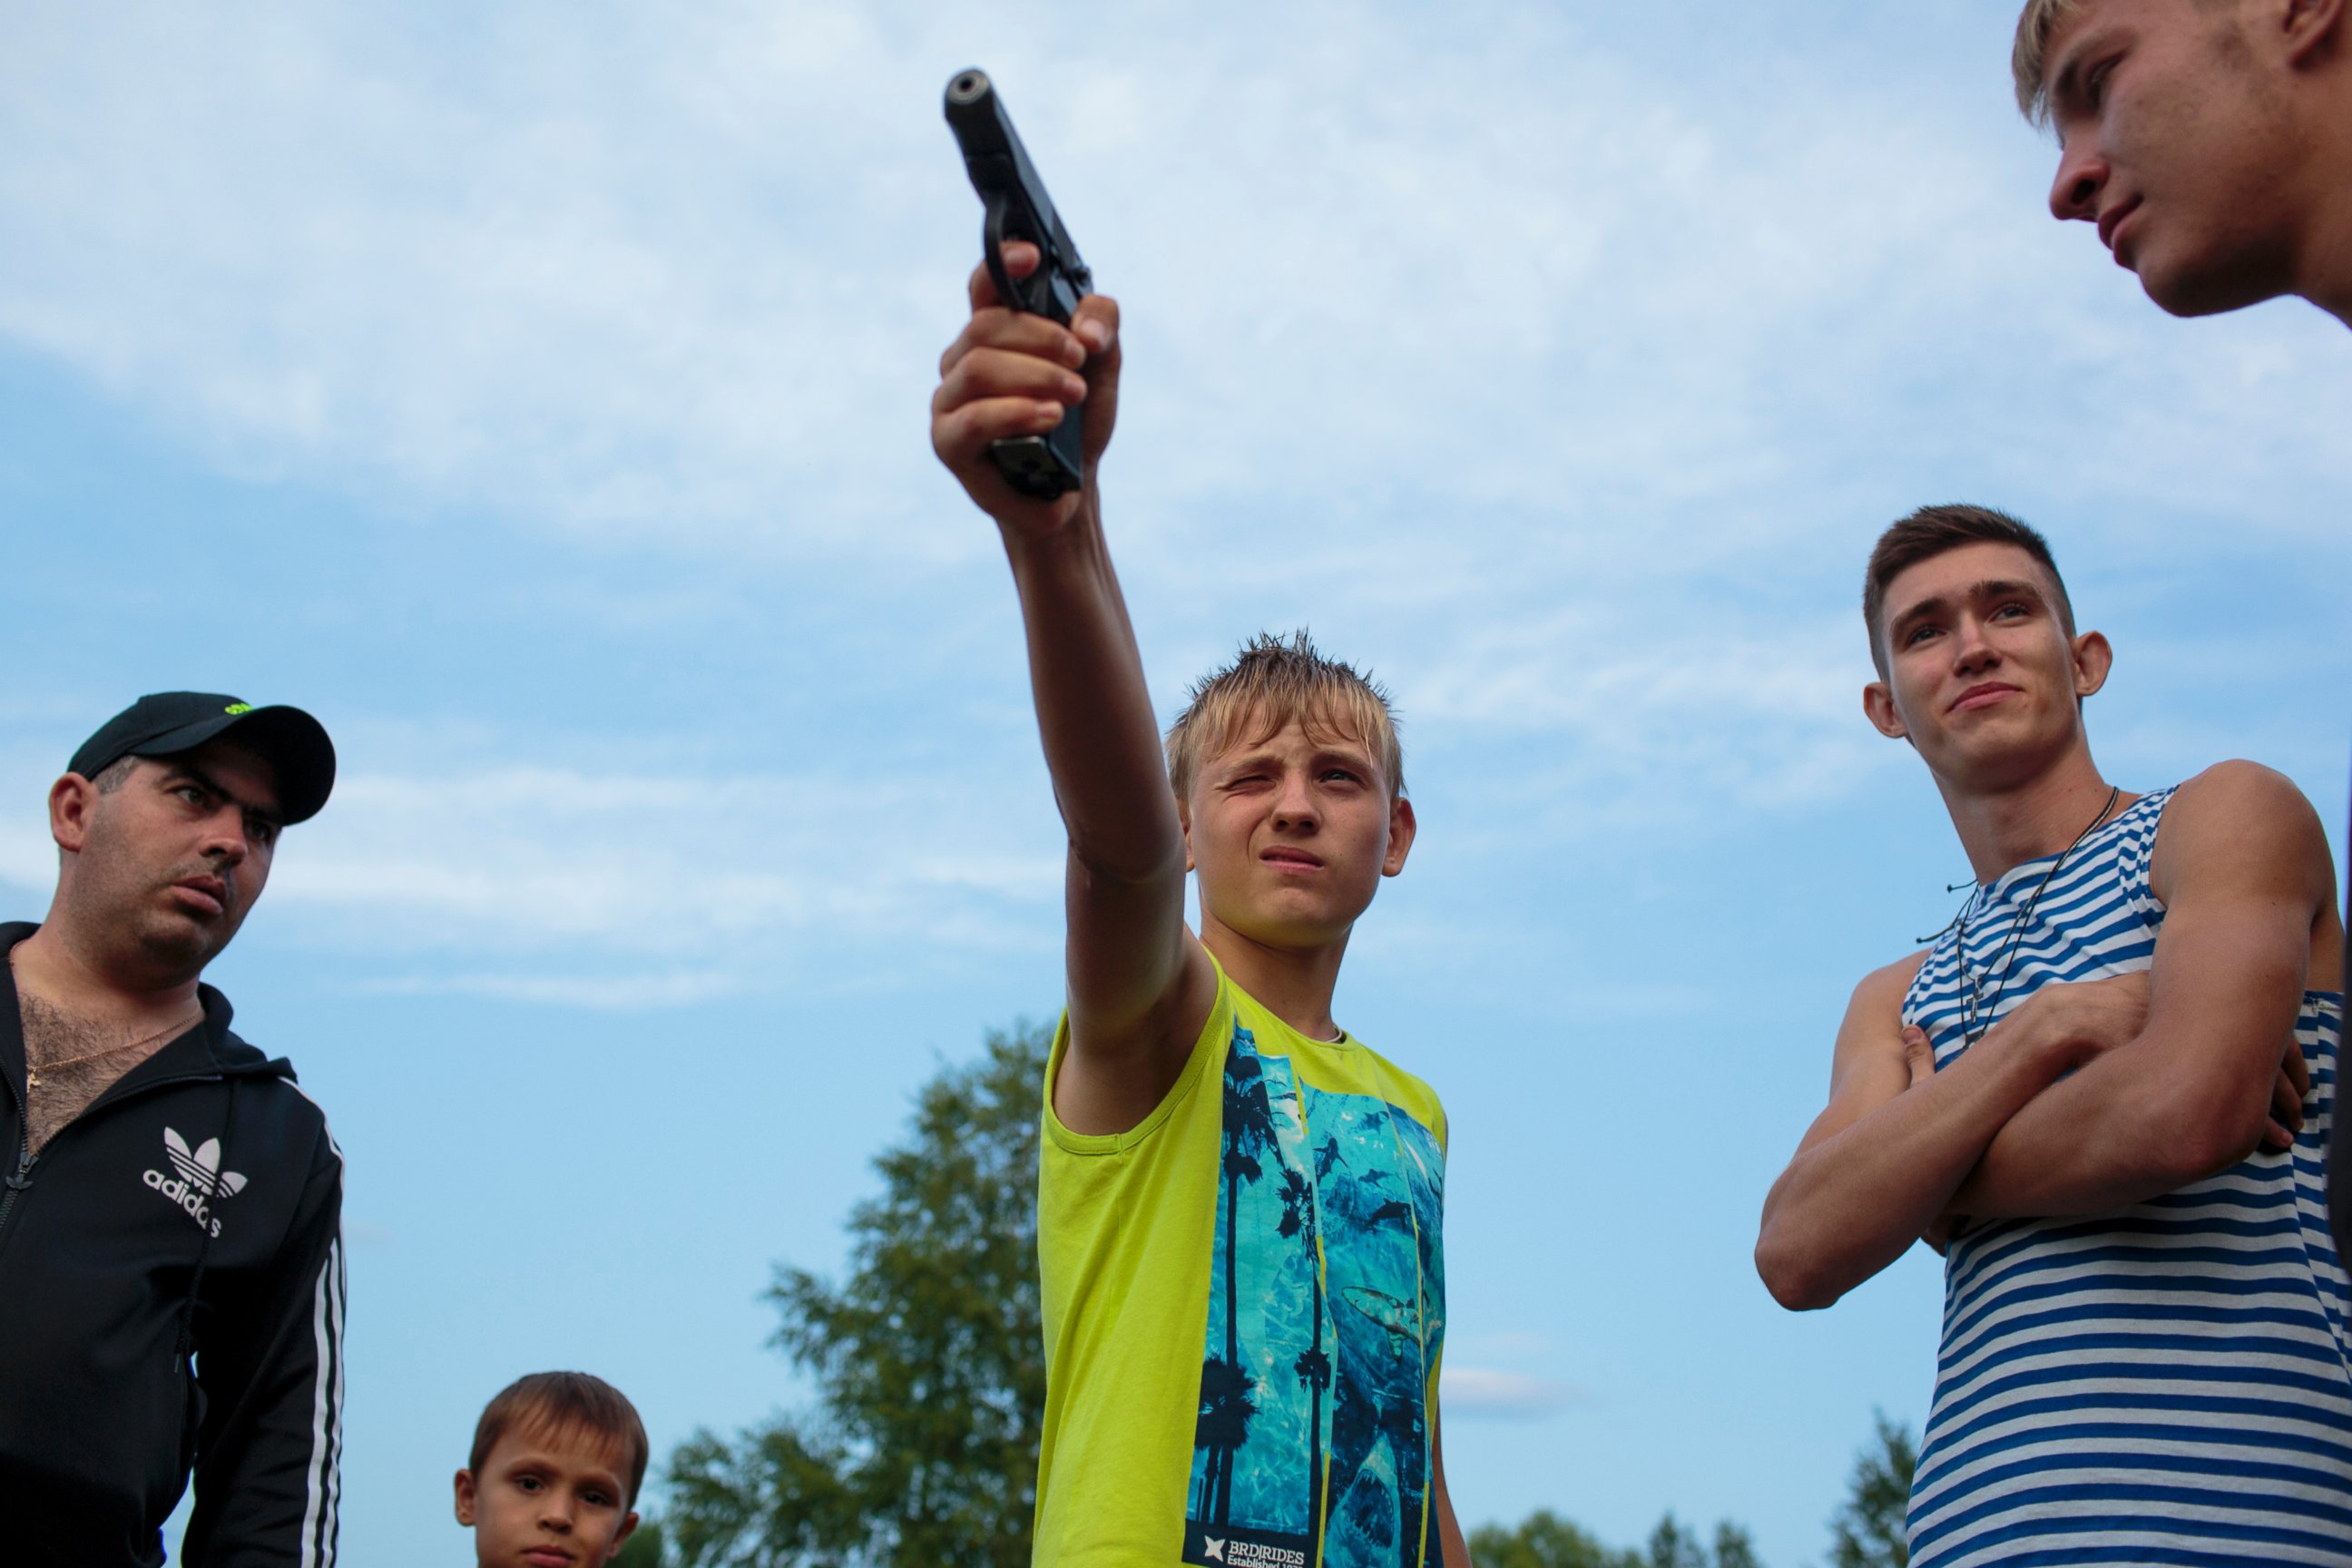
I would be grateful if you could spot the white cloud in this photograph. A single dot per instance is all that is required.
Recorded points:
(684, 275)
(1482, 1392)
(28, 857)
(1441, 325)
(1636, 717)
(626, 889)
(29, 863)
(599, 992)
(676, 887)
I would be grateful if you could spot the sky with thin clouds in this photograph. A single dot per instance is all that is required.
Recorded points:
(538, 394)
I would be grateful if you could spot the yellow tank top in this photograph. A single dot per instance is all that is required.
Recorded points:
(1245, 1303)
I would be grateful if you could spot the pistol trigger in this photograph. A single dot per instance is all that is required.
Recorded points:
(991, 237)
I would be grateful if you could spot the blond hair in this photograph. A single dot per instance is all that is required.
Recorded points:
(2029, 55)
(1275, 681)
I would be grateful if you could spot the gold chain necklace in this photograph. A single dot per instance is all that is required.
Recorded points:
(33, 1073)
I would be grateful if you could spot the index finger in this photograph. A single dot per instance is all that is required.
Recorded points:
(1021, 258)
(2297, 1071)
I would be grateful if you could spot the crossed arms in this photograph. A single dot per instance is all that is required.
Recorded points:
(2087, 1097)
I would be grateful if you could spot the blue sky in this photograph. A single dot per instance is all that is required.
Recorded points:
(538, 394)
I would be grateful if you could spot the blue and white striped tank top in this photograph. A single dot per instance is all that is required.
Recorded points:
(2168, 1385)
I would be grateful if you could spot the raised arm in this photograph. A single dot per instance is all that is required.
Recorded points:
(1141, 986)
(2248, 887)
(1879, 1165)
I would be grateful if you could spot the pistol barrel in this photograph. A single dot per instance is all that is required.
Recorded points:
(1001, 171)
(1018, 208)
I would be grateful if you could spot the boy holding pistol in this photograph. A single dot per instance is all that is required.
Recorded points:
(1239, 1202)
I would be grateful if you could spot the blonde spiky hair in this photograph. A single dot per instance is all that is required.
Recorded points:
(2029, 55)
(1273, 681)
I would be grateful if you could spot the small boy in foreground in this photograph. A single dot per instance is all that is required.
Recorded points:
(557, 1460)
(1239, 1203)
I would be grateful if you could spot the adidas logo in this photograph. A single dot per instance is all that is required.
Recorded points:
(199, 1178)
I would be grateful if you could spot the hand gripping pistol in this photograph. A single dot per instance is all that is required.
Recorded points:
(1018, 208)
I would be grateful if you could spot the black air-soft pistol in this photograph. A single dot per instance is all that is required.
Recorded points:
(1018, 208)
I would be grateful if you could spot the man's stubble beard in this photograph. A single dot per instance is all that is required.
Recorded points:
(122, 911)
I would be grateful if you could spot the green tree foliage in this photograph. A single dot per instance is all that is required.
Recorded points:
(1733, 1549)
(1867, 1531)
(928, 1359)
(643, 1549)
(1544, 1540)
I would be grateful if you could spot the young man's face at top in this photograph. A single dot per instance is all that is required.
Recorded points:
(1292, 834)
(1981, 675)
(2175, 138)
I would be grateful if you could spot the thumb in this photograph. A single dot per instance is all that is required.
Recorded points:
(1918, 1054)
(1096, 322)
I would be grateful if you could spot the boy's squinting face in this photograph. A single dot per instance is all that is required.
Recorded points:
(2175, 140)
(1292, 834)
(546, 1500)
(1981, 676)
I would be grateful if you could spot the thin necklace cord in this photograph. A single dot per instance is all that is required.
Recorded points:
(2016, 932)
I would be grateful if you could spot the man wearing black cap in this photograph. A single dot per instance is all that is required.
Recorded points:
(171, 1266)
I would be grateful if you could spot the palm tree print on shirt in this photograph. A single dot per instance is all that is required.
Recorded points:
(1313, 1367)
(1325, 1314)
(1225, 1386)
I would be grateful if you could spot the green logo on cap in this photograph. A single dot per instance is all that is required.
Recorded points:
(238, 707)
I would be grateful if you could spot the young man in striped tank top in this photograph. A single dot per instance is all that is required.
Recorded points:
(2105, 1092)
(2209, 142)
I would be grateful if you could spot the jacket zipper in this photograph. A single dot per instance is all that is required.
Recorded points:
(21, 1180)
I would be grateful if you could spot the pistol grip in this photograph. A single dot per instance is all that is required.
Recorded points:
(1046, 467)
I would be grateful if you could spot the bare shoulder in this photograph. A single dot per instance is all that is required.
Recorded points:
(1880, 991)
(1866, 1064)
(1873, 1017)
(2238, 785)
(2242, 821)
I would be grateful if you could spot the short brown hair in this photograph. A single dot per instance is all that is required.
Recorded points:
(1272, 681)
(1929, 532)
(563, 1404)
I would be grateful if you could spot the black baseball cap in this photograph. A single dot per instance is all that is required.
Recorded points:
(166, 723)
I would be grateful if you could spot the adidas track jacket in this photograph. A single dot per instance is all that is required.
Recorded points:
(192, 1214)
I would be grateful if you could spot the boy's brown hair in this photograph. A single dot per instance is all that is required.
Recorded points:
(1272, 681)
(1930, 531)
(560, 1405)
